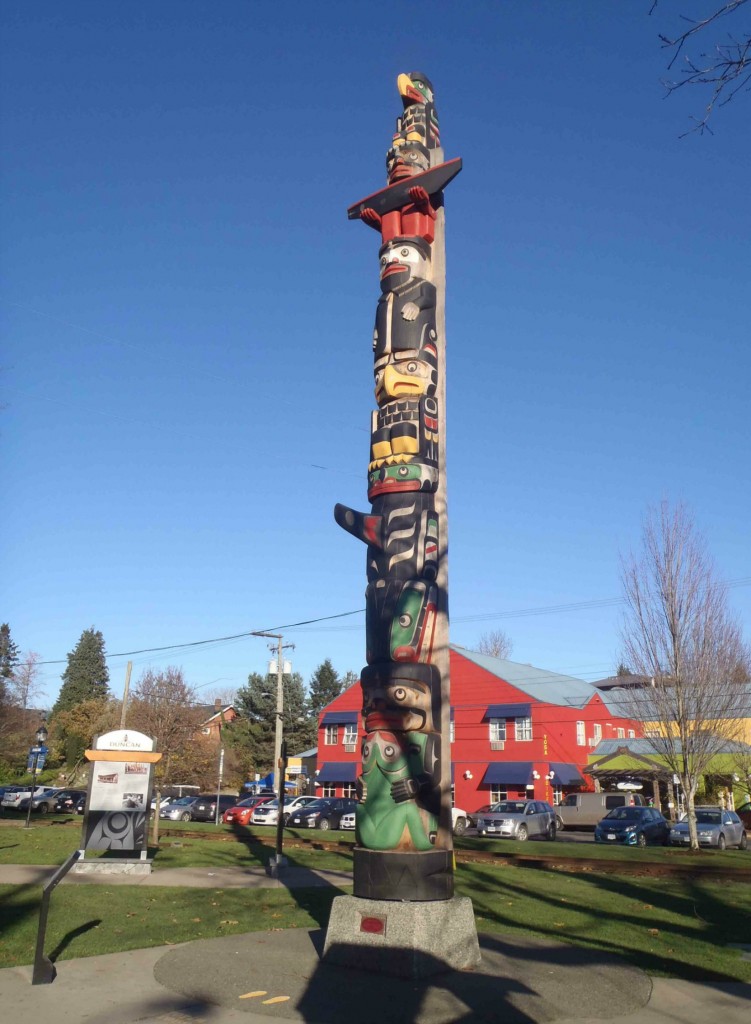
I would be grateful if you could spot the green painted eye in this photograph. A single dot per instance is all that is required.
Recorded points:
(405, 620)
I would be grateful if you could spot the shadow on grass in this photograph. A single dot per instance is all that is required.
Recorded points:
(71, 935)
(656, 920)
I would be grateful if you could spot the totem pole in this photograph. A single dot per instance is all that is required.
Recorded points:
(403, 821)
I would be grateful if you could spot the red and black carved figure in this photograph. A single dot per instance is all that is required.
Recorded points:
(401, 852)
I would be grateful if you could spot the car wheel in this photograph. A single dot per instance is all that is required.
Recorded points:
(558, 823)
(744, 842)
(641, 840)
(482, 832)
(551, 833)
(460, 827)
(43, 808)
(721, 842)
(522, 835)
(185, 816)
(285, 819)
(324, 824)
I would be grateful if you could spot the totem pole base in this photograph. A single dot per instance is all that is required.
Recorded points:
(416, 877)
(409, 940)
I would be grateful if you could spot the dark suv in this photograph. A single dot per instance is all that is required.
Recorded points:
(324, 813)
(203, 807)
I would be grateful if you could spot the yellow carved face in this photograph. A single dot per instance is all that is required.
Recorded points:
(407, 378)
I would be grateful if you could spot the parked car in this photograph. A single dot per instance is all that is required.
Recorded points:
(66, 800)
(323, 813)
(474, 815)
(203, 808)
(81, 805)
(267, 813)
(241, 811)
(744, 813)
(459, 821)
(634, 826)
(584, 810)
(13, 799)
(42, 803)
(518, 819)
(178, 810)
(714, 827)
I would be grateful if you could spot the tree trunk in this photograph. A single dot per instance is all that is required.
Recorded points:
(689, 788)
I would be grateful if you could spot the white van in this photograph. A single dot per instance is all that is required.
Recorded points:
(584, 810)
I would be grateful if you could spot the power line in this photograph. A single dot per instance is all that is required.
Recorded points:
(606, 602)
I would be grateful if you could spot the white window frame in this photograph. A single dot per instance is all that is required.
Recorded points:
(350, 733)
(350, 791)
(497, 730)
(497, 793)
(451, 731)
(581, 734)
(331, 735)
(621, 734)
(523, 729)
(597, 732)
(328, 789)
(631, 734)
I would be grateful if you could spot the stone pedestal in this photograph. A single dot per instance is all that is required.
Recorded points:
(101, 866)
(410, 940)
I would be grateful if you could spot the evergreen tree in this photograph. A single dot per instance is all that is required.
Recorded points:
(8, 662)
(86, 676)
(325, 685)
(8, 654)
(254, 731)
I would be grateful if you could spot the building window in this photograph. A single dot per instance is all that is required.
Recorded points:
(328, 789)
(350, 733)
(621, 734)
(631, 734)
(350, 791)
(523, 729)
(557, 794)
(206, 731)
(497, 729)
(332, 735)
(598, 732)
(451, 731)
(581, 736)
(497, 794)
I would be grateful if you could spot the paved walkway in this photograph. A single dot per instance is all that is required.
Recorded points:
(247, 979)
(201, 878)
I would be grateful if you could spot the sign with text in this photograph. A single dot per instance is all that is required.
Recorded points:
(117, 807)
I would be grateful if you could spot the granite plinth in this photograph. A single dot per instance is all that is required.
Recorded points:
(409, 940)
(124, 866)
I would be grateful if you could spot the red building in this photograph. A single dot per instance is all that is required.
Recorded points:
(516, 731)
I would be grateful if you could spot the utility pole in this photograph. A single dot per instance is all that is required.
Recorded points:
(124, 710)
(280, 648)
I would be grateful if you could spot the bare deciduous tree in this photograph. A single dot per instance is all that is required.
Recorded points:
(724, 67)
(496, 644)
(678, 631)
(164, 706)
(25, 682)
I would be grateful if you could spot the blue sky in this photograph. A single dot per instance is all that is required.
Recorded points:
(186, 318)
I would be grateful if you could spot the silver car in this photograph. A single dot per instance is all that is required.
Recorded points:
(714, 827)
(518, 819)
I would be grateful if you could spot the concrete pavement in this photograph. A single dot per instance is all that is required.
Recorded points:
(247, 979)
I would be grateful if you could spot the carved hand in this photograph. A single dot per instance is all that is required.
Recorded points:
(410, 310)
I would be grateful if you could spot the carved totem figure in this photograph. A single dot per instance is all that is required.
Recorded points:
(403, 832)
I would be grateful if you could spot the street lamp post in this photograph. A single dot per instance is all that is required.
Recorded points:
(37, 754)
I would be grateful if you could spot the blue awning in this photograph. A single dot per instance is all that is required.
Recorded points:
(341, 771)
(340, 718)
(565, 774)
(509, 773)
(507, 711)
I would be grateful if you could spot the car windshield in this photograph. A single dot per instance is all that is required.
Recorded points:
(510, 807)
(624, 814)
(183, 800)
(708, 818)
(317, 805)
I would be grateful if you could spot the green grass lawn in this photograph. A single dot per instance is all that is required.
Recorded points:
(680, 927)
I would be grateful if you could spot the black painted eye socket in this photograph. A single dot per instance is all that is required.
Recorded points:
(384, 261)
(366, 750)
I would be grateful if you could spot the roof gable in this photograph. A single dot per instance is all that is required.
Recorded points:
(538, 683)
